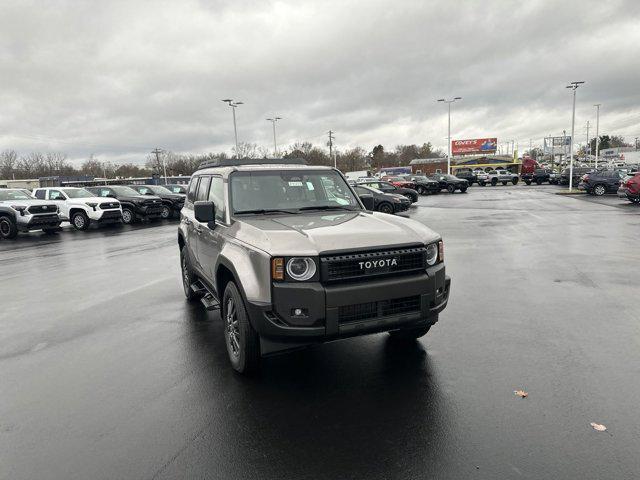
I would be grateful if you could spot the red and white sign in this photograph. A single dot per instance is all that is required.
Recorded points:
(476, 145)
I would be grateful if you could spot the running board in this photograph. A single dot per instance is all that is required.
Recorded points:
(207, 297)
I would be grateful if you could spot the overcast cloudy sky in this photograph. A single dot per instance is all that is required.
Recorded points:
(119, 78)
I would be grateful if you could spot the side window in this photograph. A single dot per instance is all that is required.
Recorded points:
(144, 190)
(56, 195)
(191, 193)
(40, 194)
(216, 195)
(203, 189)
(360, 190)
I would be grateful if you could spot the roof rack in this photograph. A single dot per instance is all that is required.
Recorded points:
(237, 162)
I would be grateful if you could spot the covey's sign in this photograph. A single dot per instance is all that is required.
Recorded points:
(476, 145)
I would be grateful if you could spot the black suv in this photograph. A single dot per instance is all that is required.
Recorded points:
(467, 174)
(424, 185)
(601, 182)
(539, 176)
(134, 205)
(450, 183)
(578, 172)
(386, 187)
(172, 203)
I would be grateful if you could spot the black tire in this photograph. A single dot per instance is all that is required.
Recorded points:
(538, 181)
(406, 334)
(528, 182)
(80, 221)
(494, 182)
(421, 190)
(8, 228)
(385, 208)
(128, 217)
(242, 341)
(463, 190)
(599, 190)
(482, 184)
(514, 180)
(504, 183)
(50, 231)
(187, 275)
(451, 188)
(635, 200)
(166, 212)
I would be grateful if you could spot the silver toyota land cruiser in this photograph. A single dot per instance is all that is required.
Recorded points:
(292, 257)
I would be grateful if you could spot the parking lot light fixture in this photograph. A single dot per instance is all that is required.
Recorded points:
(449, 102)
(573, 86)
(233, 104)
(275, 144)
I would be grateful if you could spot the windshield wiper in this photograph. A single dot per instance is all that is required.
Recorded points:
(327, 207)
(262, 211)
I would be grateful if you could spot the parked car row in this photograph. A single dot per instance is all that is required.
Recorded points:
(46, 208)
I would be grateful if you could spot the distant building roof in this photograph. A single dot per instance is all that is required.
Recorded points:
(427, 161)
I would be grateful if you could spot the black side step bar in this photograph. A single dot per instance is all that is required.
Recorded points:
(207, 297)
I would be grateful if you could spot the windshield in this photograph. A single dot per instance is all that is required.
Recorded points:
(14, 195)
(77, 193)
(177, 189)
(127, 191)
(258, 192)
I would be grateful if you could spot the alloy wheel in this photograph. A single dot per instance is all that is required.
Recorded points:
(126, 216)
(5, 227)
(232, 328)
(166, 213)
(599, 190)
(78, 221)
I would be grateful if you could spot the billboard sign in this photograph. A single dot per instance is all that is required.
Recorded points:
(557, 145)
(476, 145)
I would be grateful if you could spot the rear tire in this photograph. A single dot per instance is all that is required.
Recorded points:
(494, 182)
(80, 221)
(514, 181)
(482, 184)
(421, 191)
(504, 183)
(166, 212)
(538, 181)
(407, 334)
(243, 342)
(463, 190)
(451, 188)
(528, 182)
(8, 228)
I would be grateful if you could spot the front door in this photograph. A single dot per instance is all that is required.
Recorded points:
(210, 241)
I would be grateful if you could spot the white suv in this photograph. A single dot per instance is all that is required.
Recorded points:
(81, 207)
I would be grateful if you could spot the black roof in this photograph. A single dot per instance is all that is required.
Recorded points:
(237, 162)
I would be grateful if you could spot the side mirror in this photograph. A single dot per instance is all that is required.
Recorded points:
(367, 201)
(205, 212)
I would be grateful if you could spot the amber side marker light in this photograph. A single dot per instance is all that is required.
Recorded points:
(441, 250)
(277, 268)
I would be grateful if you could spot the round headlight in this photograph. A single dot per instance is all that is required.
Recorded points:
(432, 254)
(301, 268)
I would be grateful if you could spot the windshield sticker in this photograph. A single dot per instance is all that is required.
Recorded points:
(310, 186)
(295, 184)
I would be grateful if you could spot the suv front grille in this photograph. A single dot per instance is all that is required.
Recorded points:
(108, 205)
(369, 264)
(38, 209)
(384, 308)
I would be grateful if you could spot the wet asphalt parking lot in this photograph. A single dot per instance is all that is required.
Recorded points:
(106, 372)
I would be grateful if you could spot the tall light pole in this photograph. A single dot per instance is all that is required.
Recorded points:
(597, 105)
(275, 144)
(449, 102)
(573, 86)
(233, 106)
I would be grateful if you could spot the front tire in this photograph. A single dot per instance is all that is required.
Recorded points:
(463, 190)
(385, 208)
(8, 228)
(504, 183)
(80, 221)
(128, 216)
(528, 182)
(599, 190)
(166, 212)
(421, 191)
(451, 188)
(514, 181)
(243, 342)
(187, 276)
(494, 182)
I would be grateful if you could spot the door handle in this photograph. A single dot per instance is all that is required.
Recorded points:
(187, 221)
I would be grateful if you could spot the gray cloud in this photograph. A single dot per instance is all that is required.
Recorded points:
(119, 78)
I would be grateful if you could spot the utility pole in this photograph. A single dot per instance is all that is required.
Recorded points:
(573, 86)
(157, 153)
(597, 105)
(335, 160)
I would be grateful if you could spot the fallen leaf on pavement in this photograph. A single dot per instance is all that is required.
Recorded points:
(521, 393)
(598, 427)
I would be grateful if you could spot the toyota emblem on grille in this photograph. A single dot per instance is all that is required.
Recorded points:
(44, 207)
(385, 262)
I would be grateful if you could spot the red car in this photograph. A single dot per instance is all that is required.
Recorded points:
(400, 182)
(630, 189)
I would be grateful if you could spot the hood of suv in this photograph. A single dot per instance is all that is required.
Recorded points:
(316, 233)
(84, 201)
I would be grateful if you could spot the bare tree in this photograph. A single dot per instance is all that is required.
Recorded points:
(8, 161)
(246, 150)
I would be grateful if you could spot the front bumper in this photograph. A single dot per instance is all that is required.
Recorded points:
(37, 222)
(106, 216)
(344, 310)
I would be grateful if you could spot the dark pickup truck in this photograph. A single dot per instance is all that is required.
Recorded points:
(134, 205)
(540, 176)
